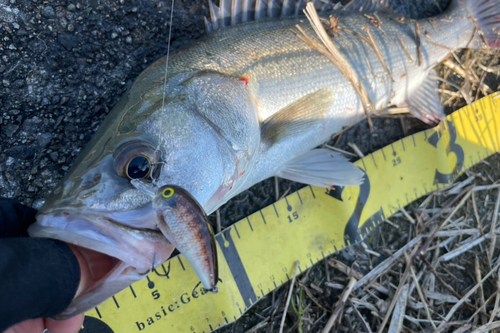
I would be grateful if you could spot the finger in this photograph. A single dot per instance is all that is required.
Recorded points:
(28, 326)
(72, 325)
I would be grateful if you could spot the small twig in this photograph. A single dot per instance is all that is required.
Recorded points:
(406, 50)
(290, 291)
(466, 194)
(397, 295)
(497, 300)
(464, 299)
(493, 235)
(399, 311)
(387, 263)
(356, 149)
(339, 306)
(362, 320)
(419, 291)
(377, 52)
(333, 54)
(419, 46)
(479, 278)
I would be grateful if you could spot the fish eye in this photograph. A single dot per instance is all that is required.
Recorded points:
(134, 160)
(138, 168)
(168, 192)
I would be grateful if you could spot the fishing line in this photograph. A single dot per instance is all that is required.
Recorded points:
(158, 151)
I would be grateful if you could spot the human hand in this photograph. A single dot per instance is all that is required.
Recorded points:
(22, 251)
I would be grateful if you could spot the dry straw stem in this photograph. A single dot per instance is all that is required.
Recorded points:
(290, 292)
(382, 267)
(406, 50)
(419, 45)
(419, 291)
(395, 298)
(399, 311)
(464, 299)
(336, 58)
(493, 234)
(356, 149)
(497, 300)
(260, 325)
(366, 326)
(339, 306)
(377, 52)
(467, 192)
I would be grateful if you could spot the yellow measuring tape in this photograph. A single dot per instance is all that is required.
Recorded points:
(258, 254)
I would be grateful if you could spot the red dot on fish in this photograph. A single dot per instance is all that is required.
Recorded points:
(244, 79)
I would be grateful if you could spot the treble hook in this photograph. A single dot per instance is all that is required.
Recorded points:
(166, 273)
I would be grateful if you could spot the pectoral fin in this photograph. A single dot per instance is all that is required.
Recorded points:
(297, 117)
(323, 168)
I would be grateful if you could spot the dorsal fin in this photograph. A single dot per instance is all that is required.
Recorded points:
(233, 12)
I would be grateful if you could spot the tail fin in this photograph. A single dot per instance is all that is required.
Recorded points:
(487, 16)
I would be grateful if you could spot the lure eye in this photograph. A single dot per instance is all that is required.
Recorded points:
(138, 168)
(168, 192)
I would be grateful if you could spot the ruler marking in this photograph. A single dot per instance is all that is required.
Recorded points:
(262, 292)
(269, 290)
(236, 229)
(116, 302)
(373, 159)
(226, 320)
(403, 144)
(382, 150)
(260, 211)
(364, 166)
(98, 313)
(298, 194)
(311, 261)
(413, 137)
(335, 248)
(275, 286)
(323, 254)
(495, 124)
(329, 252)
(250, 224)
(493, 141)
(182, 265)
(241, 313)
(276, 211)
(300, 269)
(133, 292)
(236, 267)
(287, 276)
(211, 328)
(312, 191)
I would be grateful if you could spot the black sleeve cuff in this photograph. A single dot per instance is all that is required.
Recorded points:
(39, 278)
(15, 218)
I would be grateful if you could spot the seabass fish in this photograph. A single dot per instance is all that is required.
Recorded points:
(248, 101)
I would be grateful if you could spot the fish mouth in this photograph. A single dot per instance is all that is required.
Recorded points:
(116, 255)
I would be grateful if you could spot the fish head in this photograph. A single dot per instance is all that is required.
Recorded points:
(106, 201)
